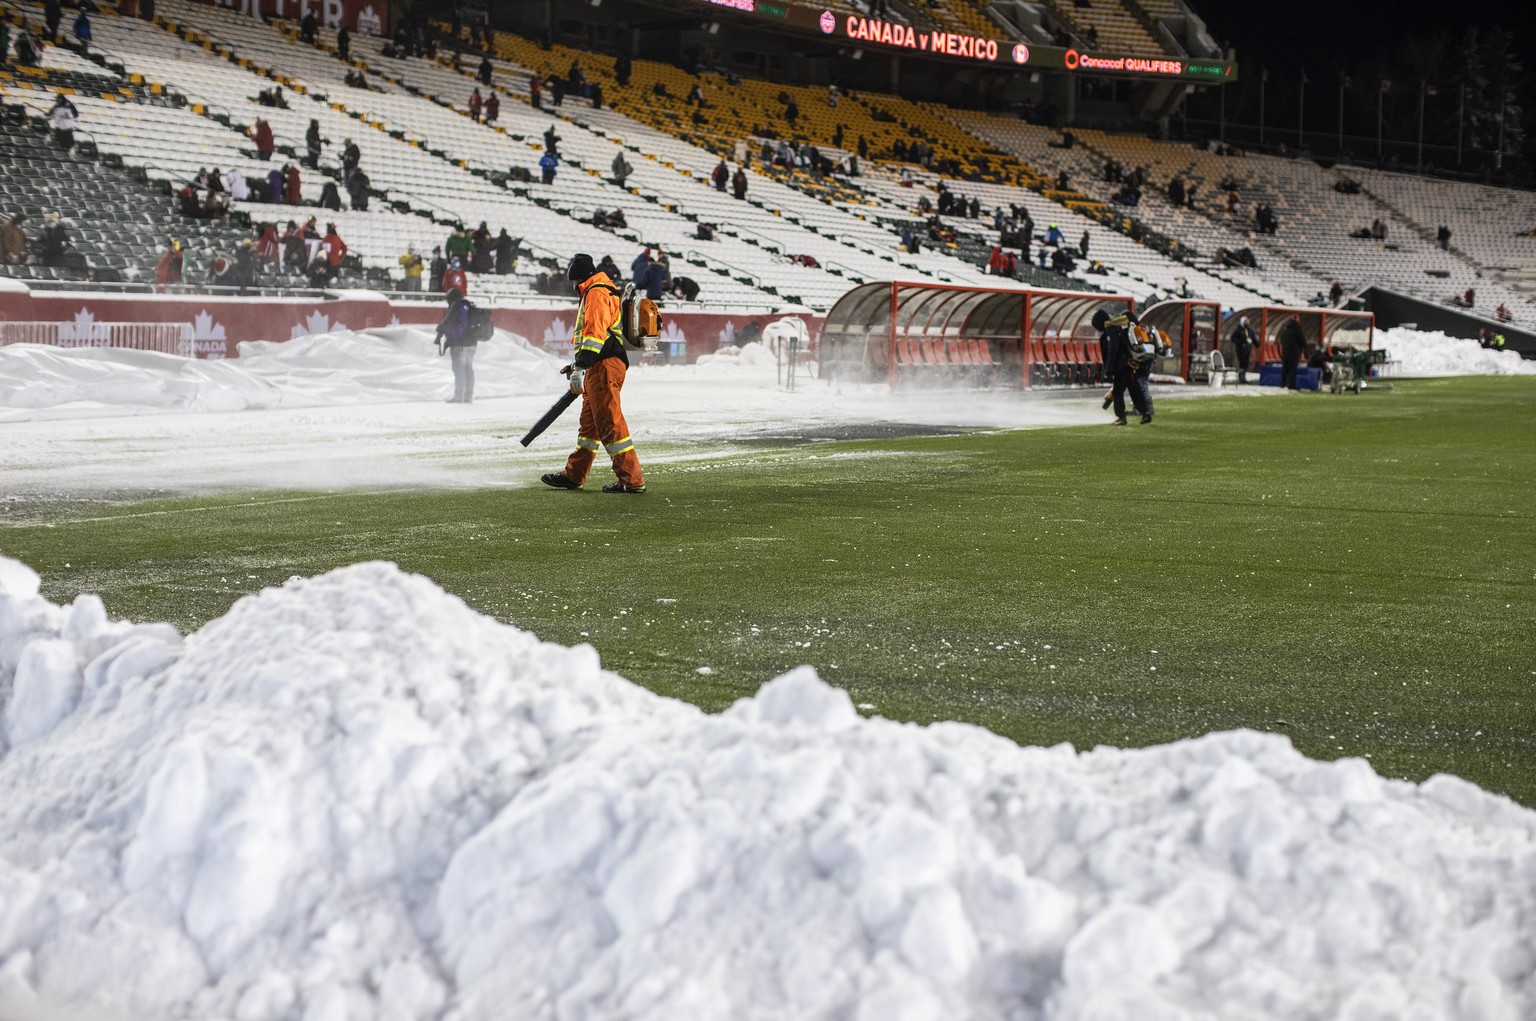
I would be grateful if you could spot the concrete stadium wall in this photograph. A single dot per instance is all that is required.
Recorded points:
(1393, 308)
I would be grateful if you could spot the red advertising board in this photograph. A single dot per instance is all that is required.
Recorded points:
(369, 17)
(219, 324)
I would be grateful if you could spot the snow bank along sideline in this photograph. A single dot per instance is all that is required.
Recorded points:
(355, 797)
(399, 364)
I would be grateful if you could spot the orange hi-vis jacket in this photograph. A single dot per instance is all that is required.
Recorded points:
(599, 329)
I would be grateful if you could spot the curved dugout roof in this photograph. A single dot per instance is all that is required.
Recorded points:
(943, 311)
(1318, 324)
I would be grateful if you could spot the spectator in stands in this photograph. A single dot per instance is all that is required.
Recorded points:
(704, 231)
(270, 246)
(721, 176)
(291, 193)
(344, 44)
(492, 108)
(1503, 313)
(536, 91)
(1244, 340)
(330, 198)
(1082, 246)
(186, 202)
(557, 90)
(26, 48)
(214, 181)
(906, 237)
(1335, 292)
(1292, 343)
(274, 185)
(261, 134)
(458, 246)
(168, 267)
(1053, 236)
(611, 268)
(684, 288)
(639, 266)
(437, 268)
(410, 269)
(622, 67)
(1443, 237)
(83, 31)
(351, 156)
(483, 75)
(575, 78)
(63, 116)
(295, 251)
(308, 27)
(1063, 182)
(313, 142)
(791, 113)
(1176, 191)
(480, 249)
(358, 190)
(657, 277)
(552, 142)
(1378, 230)
(475, 102)
(53, 13)
(1189, 194)
(739, 183)
(454, 277)
(621, 168)
(53, 241)
(1062, 261)
(1468, 299)
(13, 241)
(506, 253)
(239, 190)
(549, 163)
(1232, 200)
(327, 262)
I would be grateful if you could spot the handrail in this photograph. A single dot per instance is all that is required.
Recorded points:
(710, 262)
(416, 201)
(847, 271)
(737, 231)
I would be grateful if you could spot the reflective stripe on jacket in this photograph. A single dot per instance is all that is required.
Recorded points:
(599, 331)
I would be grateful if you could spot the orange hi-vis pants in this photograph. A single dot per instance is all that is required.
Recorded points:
(602, 424)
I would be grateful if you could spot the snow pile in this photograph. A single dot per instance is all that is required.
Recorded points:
(752, 359)
(1425, 353)
(323, 370)
(353, 797)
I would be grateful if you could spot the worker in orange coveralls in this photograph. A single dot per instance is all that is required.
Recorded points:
(597, 373)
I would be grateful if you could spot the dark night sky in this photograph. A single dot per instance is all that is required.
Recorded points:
(1323, 34)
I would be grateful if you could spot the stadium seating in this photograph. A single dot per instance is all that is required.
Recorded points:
(169, 98)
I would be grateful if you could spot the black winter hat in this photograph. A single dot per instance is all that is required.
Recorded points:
(581, 268)
(1100, 318)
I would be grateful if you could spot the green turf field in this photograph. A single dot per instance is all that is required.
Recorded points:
(1358, 572)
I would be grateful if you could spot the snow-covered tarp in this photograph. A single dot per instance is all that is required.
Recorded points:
(352, 797)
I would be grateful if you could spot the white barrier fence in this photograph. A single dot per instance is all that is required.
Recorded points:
(167, 338)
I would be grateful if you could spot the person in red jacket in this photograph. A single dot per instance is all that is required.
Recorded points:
(291, 194)
(454, 278)
(597, 372)
(328, 258)
(263, 135)
(474, 105)
(492, 108)
(168, 269)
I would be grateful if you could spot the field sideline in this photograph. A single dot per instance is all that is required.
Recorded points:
(1358, 572)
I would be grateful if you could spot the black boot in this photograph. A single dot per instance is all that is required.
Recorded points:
(559, 481)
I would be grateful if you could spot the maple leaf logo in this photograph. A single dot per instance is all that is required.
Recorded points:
(205, 328)
(672, 332)
(80, 331)
(318, 322)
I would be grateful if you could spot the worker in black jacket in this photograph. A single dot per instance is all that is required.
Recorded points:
(1115, 342)
(1244, 340)
(1292, 343)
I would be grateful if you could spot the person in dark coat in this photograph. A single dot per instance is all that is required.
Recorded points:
(492, 108)
(53, 13)
(739, 183)
(506, 253)
(485, 71)
(1243, 342)
(313, 142)
(438, 267)
(1292, 343)
(657, 277)
(453, 337)
(638, 267)
(721, 176)
(480, 249)
(344, 44)
(308, 28)
(274, 185)
(685, 288)
(1115, 341)
(611, 268)
(291, 192)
